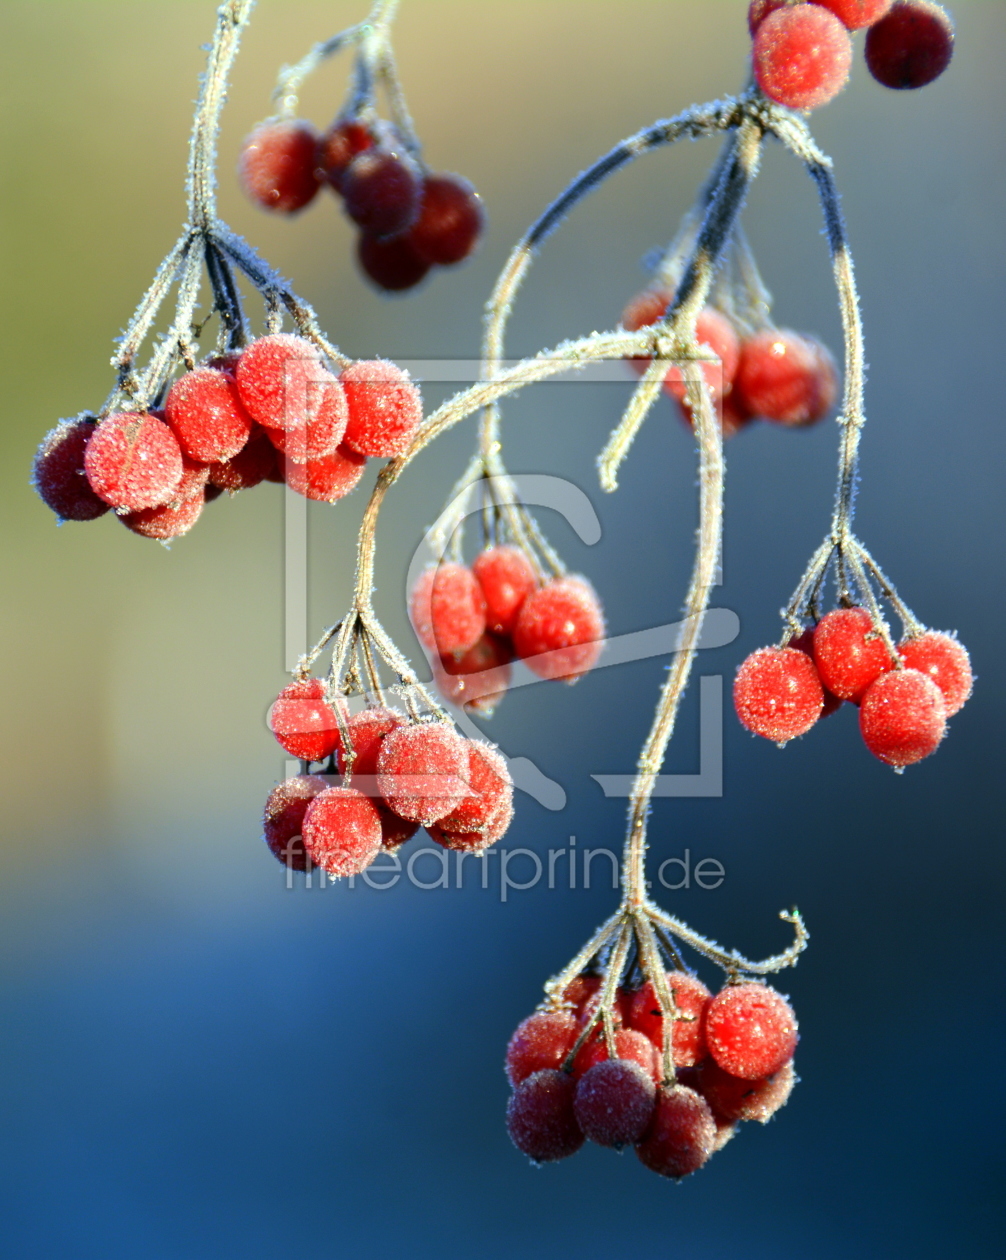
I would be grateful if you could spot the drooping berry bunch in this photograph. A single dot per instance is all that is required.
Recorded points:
(410, 219)
(802, 52)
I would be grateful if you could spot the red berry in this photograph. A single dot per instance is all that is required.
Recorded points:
(328, 478)
(802, 55)
(733, 416)
(614, 1102)
(381, 189)
(750, 1030)
(682, 1134)
(911, 46)
(805, 643)
(559, 632)
(254, 463)
(543, 1040)
(59, 475)
(903, 717)
(451, 220)
(713, 331)
(491, 790)
(394, 830)
(943, 659)
(507, 578)
(280, 380)
(778, 693)
(688, 1041)
(855, 14)
(786, 377)
(581, 991)
(304, 722)
(421, 771)
(342, 831)
(339, 145)
(629, 1044)
(393, 264)
(277, 166)
(195, 477)
(477, 679)
(204, 412)
(732, 1098)
(284, 818)
(385, 408)
(133, 461)
(849, 653)
(170, 520)
(540, 1118)
(645, 309)
(758, 11)
(447, 608)
(367, 730)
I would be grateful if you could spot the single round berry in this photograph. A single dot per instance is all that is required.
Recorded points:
(785, 377)
(629, 1044)
(857, 14)
(393, 264)
(280, 380)
(204, 411)
(447, 608)
(133, 461)
(732, 1098)
(507, 578)
(304, 722)
(421, 771)
(342, 831)
(394, 830)
(688, 1040)
(805, 643)
(277, 166)
(381, 189)
(713, 331)
(911, 46)
(59, 475)
(559, 632)
(543, 1040)
(540, 1117)
(367, 730)
(384, 406)
(475, 841)
(170, 520)
(778, 693)
(849, 653)
(802, 56)
(903, 717)
(323, 425)
(339, 145)
(750, 1030)
(451, 220)
(681, 1136)
(490, 787)
(943, 659)
(477, 679)
(284, 818)
(614, 1102)
(758, 11)
(328, 478)
(254, 463)
(195, 478)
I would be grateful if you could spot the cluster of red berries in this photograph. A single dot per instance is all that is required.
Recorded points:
(271, 413)
(477, 620)
(388, 777)
(733, 1058)
(904, 704)
(409, 220)
(803, 53)
(783, 376)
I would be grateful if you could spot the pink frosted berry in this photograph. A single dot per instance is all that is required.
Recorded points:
(507, 578)
(750, 1030)
(385, 408)
(629, 1044)
(856, 14)
(943, 659)
(421, 771)
(911, 46)
(903, 717)
(381, 189)
(543, 1040)
(133, 461)
(447, 608)
(559, 632)
(342, 831)
(204, 411)
(786, 377)
(277, 166)
(778, 694)
(688, 1041)
(540, 1117)
(59, 475)
(475, 841)
(367, 730)
(682, 1134)
(614, 1102)
(326, 479)
(491, 790)
(303, 720)
(802, 56)
(849, 652)
(477, 679)
(279, 379)
(732, 1098)
(254, 463)
(170, 520)
(284, 817)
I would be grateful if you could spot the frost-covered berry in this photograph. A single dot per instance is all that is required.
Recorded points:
(688, 1041)
(385, 408)
(778, 694)
(732, 1098)
(451, 219)
(329, 477)
(559, 632)
(133, 461)
(945, 660)
(170, 520)
(447, 608)
(849, 652)
(339, 145)
(304, 722)
(614, 1102)
(629, 1044)
(490, 787)
(903, 717)
(421, 771)
(342, 831)
(540, 1117)
(203, 409)
(733, 416)
(381, 189)
(543, 1040)
(366, 731)
(750, 1030)
(681, 1136)
(477, 679)
(254, 463)
(713, 331)
(59, 475)
(322, 428)
(391, 264)
(857, 14)
(802, 56)
(279, 378)
(507, 578)
(805, 643)
(284, 818)
(911, 46)
(786, 377)
(277, 166)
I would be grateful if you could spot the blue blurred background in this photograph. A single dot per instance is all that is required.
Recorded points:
(200, 1063)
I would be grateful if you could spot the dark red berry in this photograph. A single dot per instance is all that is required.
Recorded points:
(559, 632)
(447, 608)
(758, 11)
(903, 717)
(733, 415)
(277, 166)
(943, 659)
(543, 1040)
(614, 1102)
(682, 1133)
(203, 409)
(507, 577)
(170, 520)
(911, 46)
(133, 461)
(342, 831)
(385, 408)
(381, 189)
(421, 771)
(451, 220)
(304, 722)
(688, 1040)
(254, 463)
(393, 264)
(284, 818)
(732, 1098)
(477, 679)
(339, 145)
(849, 652)
(540, 1117)
(59, 475)
(802, 56)
(785, 377)
(778, 693)
(750, 1030)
